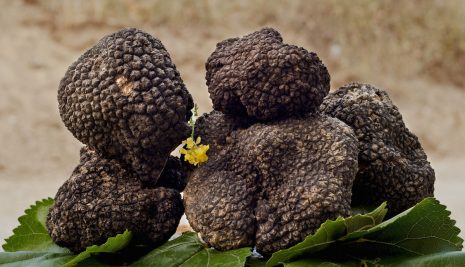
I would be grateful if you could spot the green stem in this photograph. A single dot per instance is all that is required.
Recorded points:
(192, 121)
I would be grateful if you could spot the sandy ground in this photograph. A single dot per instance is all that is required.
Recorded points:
(37, 153)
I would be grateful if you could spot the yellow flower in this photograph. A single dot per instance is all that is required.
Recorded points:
(194, 153)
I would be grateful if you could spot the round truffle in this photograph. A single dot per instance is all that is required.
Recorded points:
(125, 99)
(260, 76)
(392, 164)
(270, 185)
(102, 199)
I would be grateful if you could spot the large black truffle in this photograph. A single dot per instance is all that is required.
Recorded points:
(260, 76)
(125, 98)
(272, 184)
(392, 164)
(102, 199)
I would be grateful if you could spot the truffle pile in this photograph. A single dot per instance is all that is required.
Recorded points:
(125, 100)
(280, 163)
(285, 154)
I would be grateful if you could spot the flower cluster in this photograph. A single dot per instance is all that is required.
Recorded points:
(194, 152)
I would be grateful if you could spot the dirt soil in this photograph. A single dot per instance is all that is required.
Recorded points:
(38, 153)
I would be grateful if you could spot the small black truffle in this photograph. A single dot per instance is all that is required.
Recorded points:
(173, 175)
(102, 199)
(392, 164)
(125, 98)
(260, 76)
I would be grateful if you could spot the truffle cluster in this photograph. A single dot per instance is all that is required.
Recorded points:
(125, 100)
(284, 155)
(279, 163)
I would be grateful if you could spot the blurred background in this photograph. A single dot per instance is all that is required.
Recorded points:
(413, 49)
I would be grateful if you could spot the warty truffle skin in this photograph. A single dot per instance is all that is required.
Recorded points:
(260, 76)
(271, 184)
(392, 164)
(215, 128)
(102, 199)
(125, 98)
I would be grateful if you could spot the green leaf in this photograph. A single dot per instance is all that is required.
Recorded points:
(66, 258)
(324, 263)
(113, 244)
(328, 233)
(34, 258)
(424, 229)
(421, 236)
(213, 258)
(451, 259)
(359, 222)
(32, 234)
(189, 250)
(174, 252)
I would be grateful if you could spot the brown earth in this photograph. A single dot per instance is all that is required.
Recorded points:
(415, 50)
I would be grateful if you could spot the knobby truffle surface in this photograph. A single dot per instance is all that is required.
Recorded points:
(393, 166)
(125, 99)
(262, 77)
(215, 128)
(272, 184)
(102, 199)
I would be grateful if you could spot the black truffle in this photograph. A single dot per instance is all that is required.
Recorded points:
(173, 175)
(102, 199)
(260, 76)
(125, 98)
(392, 164)
(270, 184)
(215, 128)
